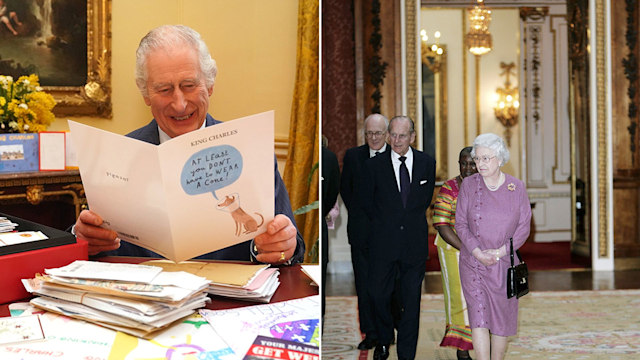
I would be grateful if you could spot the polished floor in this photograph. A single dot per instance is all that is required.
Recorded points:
(544, 280)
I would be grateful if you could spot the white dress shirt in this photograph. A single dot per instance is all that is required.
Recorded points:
(395, 161)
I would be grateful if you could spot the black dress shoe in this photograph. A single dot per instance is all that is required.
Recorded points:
(367, 343)
(381, 352)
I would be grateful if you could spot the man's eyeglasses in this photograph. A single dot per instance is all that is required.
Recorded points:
(371, 134)
(483, 159)
(399, 136)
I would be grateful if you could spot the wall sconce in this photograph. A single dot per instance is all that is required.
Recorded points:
(479, 39)
(507, 103)
(432, 54)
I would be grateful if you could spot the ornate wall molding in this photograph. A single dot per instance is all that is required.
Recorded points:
(549, 195)
(534, 13)
(412, 59)
(630, 64)
(602, 130)
(537, 116)
(494, 3)
(536, 69)
(561, 167)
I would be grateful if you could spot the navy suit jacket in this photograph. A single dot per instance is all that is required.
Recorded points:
(398, 232)
(358, 230)
(149, 133)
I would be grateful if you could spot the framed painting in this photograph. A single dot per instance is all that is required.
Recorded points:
(67, 43)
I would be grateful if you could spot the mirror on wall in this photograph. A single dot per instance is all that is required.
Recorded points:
(434, 104)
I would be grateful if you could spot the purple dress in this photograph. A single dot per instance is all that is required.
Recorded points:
(486, 220)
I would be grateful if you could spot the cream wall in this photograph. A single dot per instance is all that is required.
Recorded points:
(253, 42)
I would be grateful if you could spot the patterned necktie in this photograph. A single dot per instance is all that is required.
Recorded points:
(405, 181)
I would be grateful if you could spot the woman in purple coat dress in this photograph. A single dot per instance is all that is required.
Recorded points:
(492, 208)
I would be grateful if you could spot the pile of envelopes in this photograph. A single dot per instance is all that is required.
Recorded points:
(247, 282)
(136, 299)
(6, 225)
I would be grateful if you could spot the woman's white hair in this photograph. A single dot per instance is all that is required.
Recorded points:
(167, 37)
(493, 142)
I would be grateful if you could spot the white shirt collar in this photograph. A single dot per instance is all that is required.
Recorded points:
(395, 156)
(372, 152)
(164, 137)
(395, 162)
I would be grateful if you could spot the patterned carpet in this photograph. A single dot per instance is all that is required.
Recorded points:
(576, 325)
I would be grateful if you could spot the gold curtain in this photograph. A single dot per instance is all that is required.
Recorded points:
(304, 132)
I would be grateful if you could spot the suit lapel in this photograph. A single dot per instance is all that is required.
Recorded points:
(417, 172)
(150, 133)
(363, 154)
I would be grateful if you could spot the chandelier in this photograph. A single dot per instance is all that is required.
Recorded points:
(479, 39)
(507, 103)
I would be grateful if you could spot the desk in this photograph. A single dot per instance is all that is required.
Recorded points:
(184, 339)
(294, 284)
(52, 198)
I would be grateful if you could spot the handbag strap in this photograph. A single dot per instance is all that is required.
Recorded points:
(511, 252)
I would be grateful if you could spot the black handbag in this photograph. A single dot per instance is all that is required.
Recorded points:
(517, 276)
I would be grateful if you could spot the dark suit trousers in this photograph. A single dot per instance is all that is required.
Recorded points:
(360, 262)
(383, 276)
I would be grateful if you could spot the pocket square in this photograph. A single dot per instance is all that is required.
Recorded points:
(422, 182)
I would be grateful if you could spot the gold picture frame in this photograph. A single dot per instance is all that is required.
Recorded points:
(94, 98)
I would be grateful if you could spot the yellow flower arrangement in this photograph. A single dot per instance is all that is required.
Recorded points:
(24, 107)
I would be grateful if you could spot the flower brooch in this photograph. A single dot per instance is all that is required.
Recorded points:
(511, 186)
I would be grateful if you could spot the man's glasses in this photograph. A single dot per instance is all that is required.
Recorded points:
(483, 159)
(371, 134)
(399, 136)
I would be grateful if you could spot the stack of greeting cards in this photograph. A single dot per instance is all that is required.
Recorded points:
(249, 282)
(6, 225)
(136, 299)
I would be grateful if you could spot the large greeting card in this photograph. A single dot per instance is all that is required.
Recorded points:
(196, 193)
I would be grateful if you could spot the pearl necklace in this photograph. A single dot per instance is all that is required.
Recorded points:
(495, 187)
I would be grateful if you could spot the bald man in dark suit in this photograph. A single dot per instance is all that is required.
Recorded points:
(358, 228)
